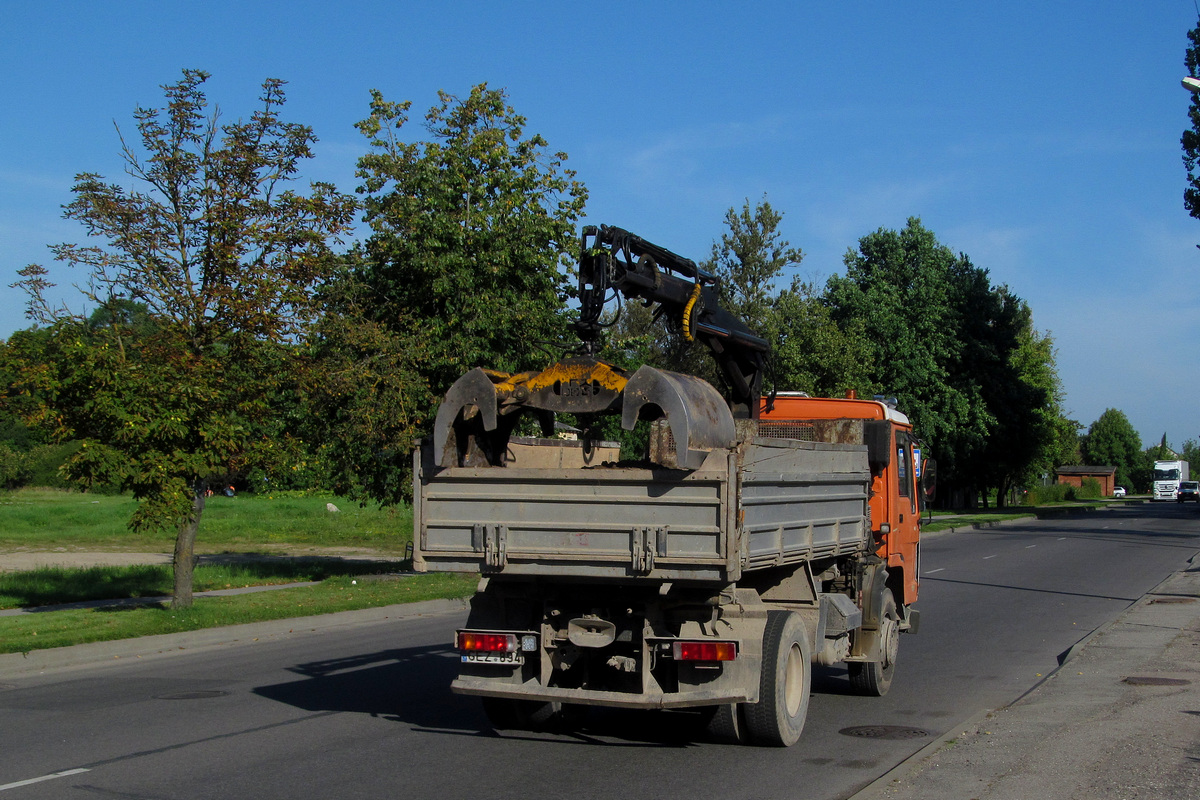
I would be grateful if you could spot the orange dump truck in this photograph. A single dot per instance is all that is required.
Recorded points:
(706, 575)
(749, 539)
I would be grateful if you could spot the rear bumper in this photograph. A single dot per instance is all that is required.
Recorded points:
(589, 697)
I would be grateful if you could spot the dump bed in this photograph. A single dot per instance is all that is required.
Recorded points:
(763, 503)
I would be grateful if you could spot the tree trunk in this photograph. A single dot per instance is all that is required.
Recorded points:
(185, 549)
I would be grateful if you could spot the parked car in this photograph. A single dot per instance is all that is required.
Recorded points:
(1118, 491)
(1188, 490)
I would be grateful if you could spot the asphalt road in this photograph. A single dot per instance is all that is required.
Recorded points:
(365, 712)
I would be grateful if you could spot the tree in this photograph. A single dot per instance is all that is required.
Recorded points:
(1191, 452)
(811, 352)
(748, 260)
(224, 256)
(1024, 395)
(1052, 436)
(369, 400)
(948, 345)
(1191, 137)
(899, 286)
(1111, 441)
(471, 234)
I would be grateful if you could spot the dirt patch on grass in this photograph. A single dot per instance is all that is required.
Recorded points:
(21, 560)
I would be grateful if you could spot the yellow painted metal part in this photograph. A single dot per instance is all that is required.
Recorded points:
(580, 372)
(517, 386)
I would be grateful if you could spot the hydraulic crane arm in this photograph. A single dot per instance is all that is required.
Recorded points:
(479, 412)
(613, 259)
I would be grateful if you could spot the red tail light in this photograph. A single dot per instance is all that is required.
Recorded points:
(705, 651)
(486, 642)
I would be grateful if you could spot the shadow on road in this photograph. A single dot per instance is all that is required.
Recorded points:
(412, 685)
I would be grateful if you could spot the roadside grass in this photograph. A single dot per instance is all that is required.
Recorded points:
(37, 631)
(44, 519)
(48, 585)
(942, 522)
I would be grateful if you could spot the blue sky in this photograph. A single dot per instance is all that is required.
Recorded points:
(1041, 139)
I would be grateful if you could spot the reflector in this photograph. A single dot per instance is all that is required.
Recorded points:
(705, 651)
(486, 642)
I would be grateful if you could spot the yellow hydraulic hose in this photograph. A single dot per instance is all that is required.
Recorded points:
(687, 313)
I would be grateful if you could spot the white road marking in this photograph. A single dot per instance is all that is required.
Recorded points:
(49, 777)
(939, 569)
(1030, 546)
(985, 558)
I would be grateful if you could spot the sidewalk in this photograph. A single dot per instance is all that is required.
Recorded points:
(1119, 719)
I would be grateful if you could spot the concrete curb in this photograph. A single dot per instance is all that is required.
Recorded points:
(966, 727)
(56, 659)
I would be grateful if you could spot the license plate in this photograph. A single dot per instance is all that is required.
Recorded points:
(492, 658)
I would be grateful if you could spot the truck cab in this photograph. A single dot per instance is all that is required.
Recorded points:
(896, 500)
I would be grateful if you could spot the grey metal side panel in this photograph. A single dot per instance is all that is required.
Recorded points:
(803, 500)
(572, 522)
(794, 501)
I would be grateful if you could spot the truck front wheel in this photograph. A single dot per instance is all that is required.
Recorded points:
(874, 677)
(777, 719)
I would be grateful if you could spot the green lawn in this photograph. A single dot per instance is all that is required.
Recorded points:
(43, 519)
(49, 585)
(26, 632)
(267, 528)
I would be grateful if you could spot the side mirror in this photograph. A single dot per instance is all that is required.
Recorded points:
(929, 479)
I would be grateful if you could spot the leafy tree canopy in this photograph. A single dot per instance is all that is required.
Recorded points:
(959, 354)
(1111, 441)
(472, 232)
(205, 271)
(467, 264)
(1191, 137)
(748, 259)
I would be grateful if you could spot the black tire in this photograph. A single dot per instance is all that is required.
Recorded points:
(725, 724)
(874, 677)
(777, 719)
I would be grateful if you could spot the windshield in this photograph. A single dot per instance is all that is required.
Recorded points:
(1166, 474)
(1190, 486)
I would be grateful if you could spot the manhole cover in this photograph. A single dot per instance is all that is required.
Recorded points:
(884, 732)
(197, 695)
(1155, 680)
(1173, 600)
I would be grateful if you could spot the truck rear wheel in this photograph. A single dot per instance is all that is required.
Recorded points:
(874, 677)
(777, 719)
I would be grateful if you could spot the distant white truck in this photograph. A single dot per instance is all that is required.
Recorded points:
(1167, 475)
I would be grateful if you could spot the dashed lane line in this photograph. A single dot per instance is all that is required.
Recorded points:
(65, 773)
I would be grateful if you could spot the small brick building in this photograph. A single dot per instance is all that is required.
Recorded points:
(1107, 476)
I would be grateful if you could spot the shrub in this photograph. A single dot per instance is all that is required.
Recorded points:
(1090, 490)
(1057, 493)
(44, 462)
(14, 468)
